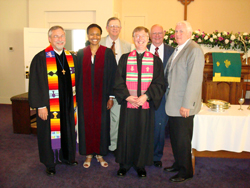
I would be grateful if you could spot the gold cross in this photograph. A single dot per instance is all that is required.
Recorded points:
(185, 3)
(63, 71)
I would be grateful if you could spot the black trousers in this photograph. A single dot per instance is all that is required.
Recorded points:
(181, 132)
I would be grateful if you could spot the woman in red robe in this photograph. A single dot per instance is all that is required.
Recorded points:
(94, 87)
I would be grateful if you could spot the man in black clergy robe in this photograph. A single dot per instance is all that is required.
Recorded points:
(39, 98)
(136, 129)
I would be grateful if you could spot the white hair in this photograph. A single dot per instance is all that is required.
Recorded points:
(187, 24)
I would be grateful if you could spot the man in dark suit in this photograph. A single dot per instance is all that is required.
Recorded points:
(163, 51)
(183, 76)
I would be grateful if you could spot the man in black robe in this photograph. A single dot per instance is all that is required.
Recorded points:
(40, 97)
(136, 129)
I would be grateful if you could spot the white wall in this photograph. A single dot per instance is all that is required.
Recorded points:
(17, 14)
(13, 16)
(207, 15)
(38, 10)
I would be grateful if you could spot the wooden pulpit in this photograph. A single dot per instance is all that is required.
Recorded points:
(227, 91)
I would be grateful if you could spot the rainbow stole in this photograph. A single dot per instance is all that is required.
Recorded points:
(146, 75)
(54, 94)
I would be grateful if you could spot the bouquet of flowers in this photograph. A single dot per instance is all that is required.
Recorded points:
(224, 40)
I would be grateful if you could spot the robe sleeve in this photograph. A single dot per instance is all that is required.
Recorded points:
(120, 88)
(78, 72)
(38, 82)
(157, 87)
(111, 64)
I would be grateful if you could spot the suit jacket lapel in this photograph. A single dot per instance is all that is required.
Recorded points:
(179, 55)
(122, 47)
(164, 55)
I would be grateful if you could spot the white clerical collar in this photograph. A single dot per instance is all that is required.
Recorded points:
(59, 53)
(140, 52)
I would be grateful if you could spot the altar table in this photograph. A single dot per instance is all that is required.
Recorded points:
(221, 134)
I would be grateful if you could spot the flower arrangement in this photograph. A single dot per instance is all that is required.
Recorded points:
(224, 40)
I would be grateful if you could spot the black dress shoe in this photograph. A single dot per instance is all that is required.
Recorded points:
(170, 169)
(179, 179)
(158, 163)
(141, 172)
(121, 172)
(74, 163)
(51, 171)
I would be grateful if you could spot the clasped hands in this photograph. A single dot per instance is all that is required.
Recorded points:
(137, 101)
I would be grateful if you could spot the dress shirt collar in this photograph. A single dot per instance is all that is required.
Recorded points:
(110, 41)
(180, 47)
(160, 50)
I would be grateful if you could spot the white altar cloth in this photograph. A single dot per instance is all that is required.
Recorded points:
(229, 130)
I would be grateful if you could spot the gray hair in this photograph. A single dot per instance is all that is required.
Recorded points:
(55, 28)
(187, 24)
(113, 18)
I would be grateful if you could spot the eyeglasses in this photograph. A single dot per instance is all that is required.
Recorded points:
(114, 26)
(159, 33)
(57, 37)
(140, 36)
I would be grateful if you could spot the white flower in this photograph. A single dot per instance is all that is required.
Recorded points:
(219, 35)
(232, 43)
(192, 37)
(226, 41)
(232, 37)
(170, 42)
(214, 36)
(224, 33)
(211, 40)
(197, 32)
(171, 32)
(166, 37)
(245, 34)
(199, 40)
(206, 37)
(249, 41)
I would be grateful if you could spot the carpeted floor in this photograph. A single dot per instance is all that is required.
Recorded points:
(20, 167)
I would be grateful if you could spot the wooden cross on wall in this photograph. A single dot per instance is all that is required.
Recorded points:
(185, 3)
